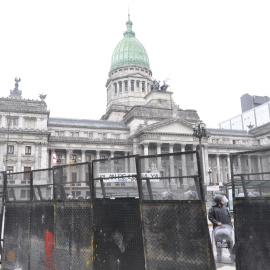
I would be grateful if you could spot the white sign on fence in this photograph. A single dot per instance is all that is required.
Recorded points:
(212, 188)
(127, 177)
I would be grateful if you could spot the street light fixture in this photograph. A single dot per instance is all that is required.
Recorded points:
(199, 131)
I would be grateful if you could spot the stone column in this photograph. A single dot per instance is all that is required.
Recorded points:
(159, 158)
(4, 121)
(218, 169)
(260, 177)
(195, 166)
(126, 162)
(146, 161)
(172, 172)
(96, 168)
(19, 157)
(83, 155)
(84, 167)
(184, 165)
(20, 124)
(206, 165)
(250, 177)
(112, 162)
(37, 164)
(2, 164)
(229, 166)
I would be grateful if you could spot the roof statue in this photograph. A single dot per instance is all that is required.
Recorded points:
(155, 85)
(164, 86)
(42, 96)
(16, 93)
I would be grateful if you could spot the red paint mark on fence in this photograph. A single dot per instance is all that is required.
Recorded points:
(49, 250)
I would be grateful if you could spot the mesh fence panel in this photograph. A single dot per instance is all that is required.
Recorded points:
(18, 187)
(118, 235)
(176, 235)
(73, 235)
(42, 185)
(177, 173)
(251, 181)
(72, 182)
(16, 236)
(41, 237)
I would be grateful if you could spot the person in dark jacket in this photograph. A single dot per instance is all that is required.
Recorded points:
(219, 215)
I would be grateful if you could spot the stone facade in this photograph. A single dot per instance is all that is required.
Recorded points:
(138, 120)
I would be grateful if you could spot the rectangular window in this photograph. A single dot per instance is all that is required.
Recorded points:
(117, 136)
(120, 87)
(26, 175)
(138, 86)
(15, 121)
(126, 86)
(9, 170)
(76, 134)
(115, 88)
(132, 85)
(74, 177)
(143, 86)
(25, 194)
(71, 134)
(11, 149)
(116, 160)
(62, 133)
(56, 133)
(28, 150)
(104, 135)
(91, 135)
(59, 158)
(74, 158)
(88, 157)
(102, 157)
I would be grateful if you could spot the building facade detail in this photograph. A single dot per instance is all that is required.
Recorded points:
(139, 119)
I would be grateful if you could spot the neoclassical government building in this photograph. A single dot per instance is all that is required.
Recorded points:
(141, 118)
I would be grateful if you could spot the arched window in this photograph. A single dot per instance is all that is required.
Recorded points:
(138, 86)
(126, 86)
(115, 88)
(120, 87)
(143, 86)
(132, 85)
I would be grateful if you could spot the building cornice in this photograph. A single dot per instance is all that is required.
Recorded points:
(54, 139)
(25, 131)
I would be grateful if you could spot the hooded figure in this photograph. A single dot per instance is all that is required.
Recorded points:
(219, 214)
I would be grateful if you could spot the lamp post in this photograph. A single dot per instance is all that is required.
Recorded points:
(199, 131)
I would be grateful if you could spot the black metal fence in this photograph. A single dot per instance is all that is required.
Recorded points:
(175, 229)
(121, 213)
(251, 194)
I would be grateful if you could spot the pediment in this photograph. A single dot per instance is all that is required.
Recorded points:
(171, 126)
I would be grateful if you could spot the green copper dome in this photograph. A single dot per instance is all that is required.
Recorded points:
(129, 51)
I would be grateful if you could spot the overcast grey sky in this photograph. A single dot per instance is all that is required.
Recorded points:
(215, 51)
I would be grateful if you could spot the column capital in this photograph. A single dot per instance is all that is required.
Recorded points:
(159, 144)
